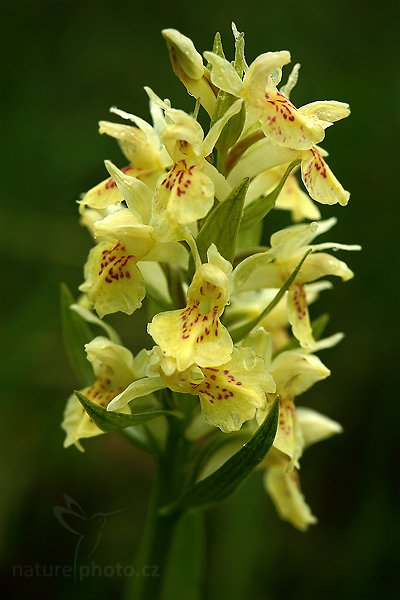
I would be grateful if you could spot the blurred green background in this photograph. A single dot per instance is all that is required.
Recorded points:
(63, 65)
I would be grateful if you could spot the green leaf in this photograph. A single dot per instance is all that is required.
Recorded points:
(240, 332)
(259, 208)
(221, 484)
(249, 237)
(222, 224)
(113, 421)
(230, 134)
(184, 571)
(240, 60)
(217, 46)
(76, 334)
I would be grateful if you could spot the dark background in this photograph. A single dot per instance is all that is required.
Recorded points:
(63, 65)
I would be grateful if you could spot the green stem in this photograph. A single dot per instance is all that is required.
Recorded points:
(150, 566)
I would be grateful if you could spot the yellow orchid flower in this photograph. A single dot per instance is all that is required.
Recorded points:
(113, 281)
(282, 482)
(186, 193)
(142, 146)
(281, 121)
(245, 306)
(114, 368)
(229, 394)
(320, 182)
(195, 335)
(294, 372)
(290, 198)
(271, 269)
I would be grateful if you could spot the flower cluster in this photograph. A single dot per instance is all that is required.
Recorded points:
(231, 323)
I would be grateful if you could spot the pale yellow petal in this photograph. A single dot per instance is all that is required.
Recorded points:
(296, 371)
(316, 427)
(137, 194)
(113, 282)
(185, 59)
(285, 492)
(298, 315)
(262, 155)
(186, 193)
(192, 337)
(264, 72)
(231, 393)
(319, 180)
(329, 111)
(124, 226)
(321, 264)
(77, 424)
(286, 89)
(285, 125)
(137, 146)
(105, 193)
(223, 74)
(294, 199)
(137, 389)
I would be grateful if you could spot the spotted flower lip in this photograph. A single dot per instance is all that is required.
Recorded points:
(195, 335)
(281, 121)
(186, 193)
(114, 368)
(113, 281)
(229, 394)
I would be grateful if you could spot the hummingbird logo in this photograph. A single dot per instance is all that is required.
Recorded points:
(87, 529)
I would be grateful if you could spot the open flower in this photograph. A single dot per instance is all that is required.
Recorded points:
(186, 193)
(291, 196)
(273, 267)
(195, 335)
(142, 146)
(114, 368)
(320, 182)
(246, 306)
(283, 483)
(113, 281)
(229, 394)
(294, 372)
(280, 120)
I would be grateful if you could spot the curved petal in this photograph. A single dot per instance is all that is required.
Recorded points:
(231, 393)
(223, 74)
(284, 490)
(321, 264)
(186, 193)
(329, 111)
(316, 427)
(192, 337)
(319, 180)
(296, 371)
(137, 389)
(285, 125)
(137, 194)
(113, 281)
(298, 315)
